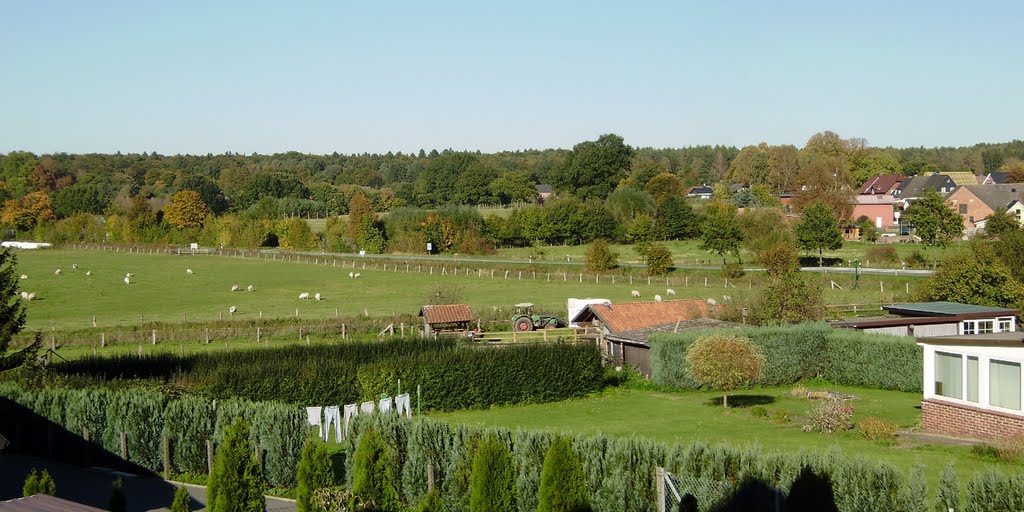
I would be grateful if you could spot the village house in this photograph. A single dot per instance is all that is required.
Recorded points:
(977, 202)
(934, 319)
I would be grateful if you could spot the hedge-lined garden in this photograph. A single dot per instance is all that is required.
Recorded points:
(805, 351)
(452, 375)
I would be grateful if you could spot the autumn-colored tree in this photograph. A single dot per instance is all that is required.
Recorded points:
(664, 185)
(359, 207)
(1014, 168)
(28, 212)
(48, 176)
(725, 362)
(186, 210)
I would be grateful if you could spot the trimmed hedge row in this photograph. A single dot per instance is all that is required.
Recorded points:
(145, 416)
(805, 351)
(619, 472)
(452, 375)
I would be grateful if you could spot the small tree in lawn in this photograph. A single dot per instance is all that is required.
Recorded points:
(658, 259)
(563, 487)
(818, 230)
(725, 362)
(314, 473)
(37, 483)
(600, 257)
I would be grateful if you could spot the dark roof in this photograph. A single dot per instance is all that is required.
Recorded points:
(997, 196)
(700, 190)
(640, 336)
(914, 186)
(630, 316)
(44, 503)
(995, 338)
(999, 176)
(446, 313)
(881, 184)
(944, 308)
(543, 188)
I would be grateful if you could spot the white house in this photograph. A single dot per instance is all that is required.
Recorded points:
(924, 319)
(972, 385)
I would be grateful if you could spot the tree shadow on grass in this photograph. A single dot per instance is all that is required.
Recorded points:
(741, 401)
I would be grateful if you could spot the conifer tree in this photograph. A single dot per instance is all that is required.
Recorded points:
(492, 484)
(562, 484)
(117, 502)
(182, 500)
(314, 473)
(374, 475)
(236, 483)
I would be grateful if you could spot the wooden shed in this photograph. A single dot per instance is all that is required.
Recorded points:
(446, 318)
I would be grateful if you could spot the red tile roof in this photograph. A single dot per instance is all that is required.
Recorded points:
(628, 316)
(446, 313)
(881, 184)
(44, 503)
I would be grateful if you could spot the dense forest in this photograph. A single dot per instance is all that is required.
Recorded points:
(605, 189)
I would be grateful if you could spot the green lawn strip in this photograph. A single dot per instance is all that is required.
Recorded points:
(685, 417)
(161, 290)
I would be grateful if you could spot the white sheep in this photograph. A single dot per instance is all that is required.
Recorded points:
(232, 310)
(726, 298)
(671, 292)
(303, 296)
(24, 295)
(636, 294)
(74, 266)
(356, 275)
(32, 296)
(127, 280)
(352, 274)
(235, 287)
(657, 298)
(188, 271)
(23, 276)
(712, 302)
(249, 288)
(88, 272)
(316, 296)
(56, 272)
(129, 274)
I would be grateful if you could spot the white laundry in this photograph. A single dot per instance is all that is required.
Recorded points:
(403, 405)
(351, 411)
(314, 418)
(366, 407)
(332, 412)
(385, 405)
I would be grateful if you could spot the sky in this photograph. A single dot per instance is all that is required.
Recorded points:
(354, 77)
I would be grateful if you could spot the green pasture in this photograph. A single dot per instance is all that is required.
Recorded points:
(690, 416)
(161, 291)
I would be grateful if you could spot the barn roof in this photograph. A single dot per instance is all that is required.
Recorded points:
(446, 313)
(630, 316)
(44, 503)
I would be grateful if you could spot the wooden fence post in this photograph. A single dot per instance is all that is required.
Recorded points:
(659, 486)
(209, 456)
(154, 336)
(124, 446)
(167, 458)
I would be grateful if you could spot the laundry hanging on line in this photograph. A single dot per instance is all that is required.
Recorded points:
(351, 411)
(314, 418)
(332, 413)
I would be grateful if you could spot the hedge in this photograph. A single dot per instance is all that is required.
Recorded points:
(805, 351)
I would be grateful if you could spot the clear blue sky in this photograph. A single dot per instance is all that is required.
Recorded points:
(353, 77)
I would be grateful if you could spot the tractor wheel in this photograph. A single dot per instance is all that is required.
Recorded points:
(523, 324)
(551, 325)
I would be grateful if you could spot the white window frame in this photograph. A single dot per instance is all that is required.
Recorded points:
(988, 325)
(984, 356)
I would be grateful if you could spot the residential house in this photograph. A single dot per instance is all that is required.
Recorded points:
(623, 328)
(701, 192)
(935, 319)
(914, 187)
(879, 208)
(977, 202)
(544, 192)
(881, 184)
(962, 178)
(996, 178)
(972, 385)
(1016, 208)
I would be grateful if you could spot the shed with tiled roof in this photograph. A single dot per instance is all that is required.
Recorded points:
(629, 316)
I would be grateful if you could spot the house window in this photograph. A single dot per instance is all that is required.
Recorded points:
(970, 219)
(949, 375)
(1004, 384)
(1005, 324)
(985, 326)
(972, 378)
(968, 327)
(963, 209)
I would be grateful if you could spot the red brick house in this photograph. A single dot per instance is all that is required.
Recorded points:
(976, 202)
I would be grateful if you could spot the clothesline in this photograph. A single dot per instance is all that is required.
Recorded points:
(325, 417)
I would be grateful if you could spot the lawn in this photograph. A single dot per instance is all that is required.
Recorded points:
(161, 291)
(686, 417)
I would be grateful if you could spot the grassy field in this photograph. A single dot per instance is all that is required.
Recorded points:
(161, 290)
(684, 417)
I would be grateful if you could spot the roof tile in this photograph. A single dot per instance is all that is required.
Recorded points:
(629, 316)
(446, 313)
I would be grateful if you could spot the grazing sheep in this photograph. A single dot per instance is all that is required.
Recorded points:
(726, 298)
(657, 298)
(671, 292)
(129, 274)
(74, 266)
(24, 295)
(127, 280)
(232, 310)
(712, 302)
(356, 276)
(188, 271)
(352, 274)
(316, 296)
(32, 296)
(303, 296)
(249, 288)
(56, 272)
(636, 294)
(88, 272)
(235, 287)
(23, 276)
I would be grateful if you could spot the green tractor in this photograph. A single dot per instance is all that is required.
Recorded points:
(526, 320)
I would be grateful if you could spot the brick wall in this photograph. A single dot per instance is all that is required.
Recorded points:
(967, 421)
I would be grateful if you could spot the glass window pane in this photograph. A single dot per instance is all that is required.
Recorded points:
(984, 326)
(968, 327)
(949, 375)
(1004, 384)
(972, 378)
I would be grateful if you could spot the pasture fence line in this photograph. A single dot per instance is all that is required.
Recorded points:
(503, 271)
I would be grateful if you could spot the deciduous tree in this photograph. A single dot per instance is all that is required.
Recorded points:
(974, 276)
(664, 185)
(593, 168)
(818, 230)
(186, 210)
(725, 362)
(600, 257)
(720, 232)
(934, 221)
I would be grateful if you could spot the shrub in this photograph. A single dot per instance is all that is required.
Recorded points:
(600, 257)
(724, 361)
(1011, 448)
(330, 499)
(492, 484)
(917, 259)
(314, 473)
(39, 483)
(830, 416)
(188, 423)
(182, 500)
(780, 416)
(431, 502)
(562, 486)
(877, 429)
(236, 483)
(733, 270)
(373, 474)
(881, 254)
(947, 496)
(117, 501)
(759, 411)
(658, 259)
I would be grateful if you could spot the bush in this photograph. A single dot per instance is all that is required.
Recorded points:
(759, 411)
(600, 257)
(881, 254)
(803, 351)
(314, 473)
(236, 483)
(830, 416)
(780, 416)
(39, 483)
(877, 429)
(182, 500)
(1011, 448)
(492, 484)
(374, 478)
(562, 486)
(733, 270)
